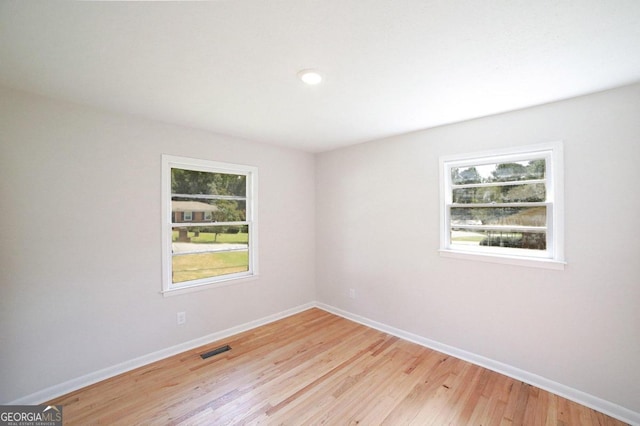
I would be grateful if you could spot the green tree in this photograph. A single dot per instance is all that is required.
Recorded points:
(193, 182)
(455, 176)
(536, 169)
(470, 175)
(526, 193)
(197, 182)
(228, 184)
(509, 172)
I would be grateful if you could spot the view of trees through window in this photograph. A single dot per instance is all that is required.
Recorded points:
(210, 232)
(500, 204)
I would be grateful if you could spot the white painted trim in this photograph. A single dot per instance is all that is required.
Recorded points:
(106, 373)
(599, 404)
(507, 260)
(553, 257)
(251, 220)
(229, 280)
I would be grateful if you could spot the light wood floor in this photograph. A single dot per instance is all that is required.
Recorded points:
(318, 368)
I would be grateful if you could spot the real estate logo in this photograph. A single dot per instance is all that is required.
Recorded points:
(30, 415)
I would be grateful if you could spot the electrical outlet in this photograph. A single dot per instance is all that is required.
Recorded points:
(352, 293)
(182, 318)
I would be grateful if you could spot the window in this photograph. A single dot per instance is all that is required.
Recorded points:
(209, 223)
(504, 206)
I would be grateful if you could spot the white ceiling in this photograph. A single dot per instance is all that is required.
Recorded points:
(389, 66)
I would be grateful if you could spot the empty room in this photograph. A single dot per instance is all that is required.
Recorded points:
(320, 212)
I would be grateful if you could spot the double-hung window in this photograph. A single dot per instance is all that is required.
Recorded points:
(209, 222)
(504, 206)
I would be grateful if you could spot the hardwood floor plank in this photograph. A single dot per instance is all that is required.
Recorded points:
(318, 368)
(370, 385)
(341, 385)
(386, 395)
(469, 381)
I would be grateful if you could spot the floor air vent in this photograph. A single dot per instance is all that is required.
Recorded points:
(215, 351)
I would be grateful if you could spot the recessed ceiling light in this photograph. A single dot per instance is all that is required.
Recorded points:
(310, 77)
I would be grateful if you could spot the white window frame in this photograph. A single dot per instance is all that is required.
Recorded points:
(251, 221)
(553, 256)
(187, 216)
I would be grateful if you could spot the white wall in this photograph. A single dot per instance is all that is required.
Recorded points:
(80, 243)
(80, 258)
(377, 232)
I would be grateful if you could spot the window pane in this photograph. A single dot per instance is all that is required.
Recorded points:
(513, 216)
(499, 172)
(209, 251)
(522, 240)
(207, 183)
(215, 210)
(200, 237)
(534, 192)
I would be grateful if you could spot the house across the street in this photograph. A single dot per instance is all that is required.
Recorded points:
(192, 211)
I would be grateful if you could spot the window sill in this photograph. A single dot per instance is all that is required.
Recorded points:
(208, 286)
(507, 260)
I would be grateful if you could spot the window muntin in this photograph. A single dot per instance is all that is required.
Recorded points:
(209, 226)
(503, 203)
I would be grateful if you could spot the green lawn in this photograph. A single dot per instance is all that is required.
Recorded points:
(195, 266)
(205, 265)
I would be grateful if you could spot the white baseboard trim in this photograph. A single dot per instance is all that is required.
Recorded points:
(599, 404)
(106, 373)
